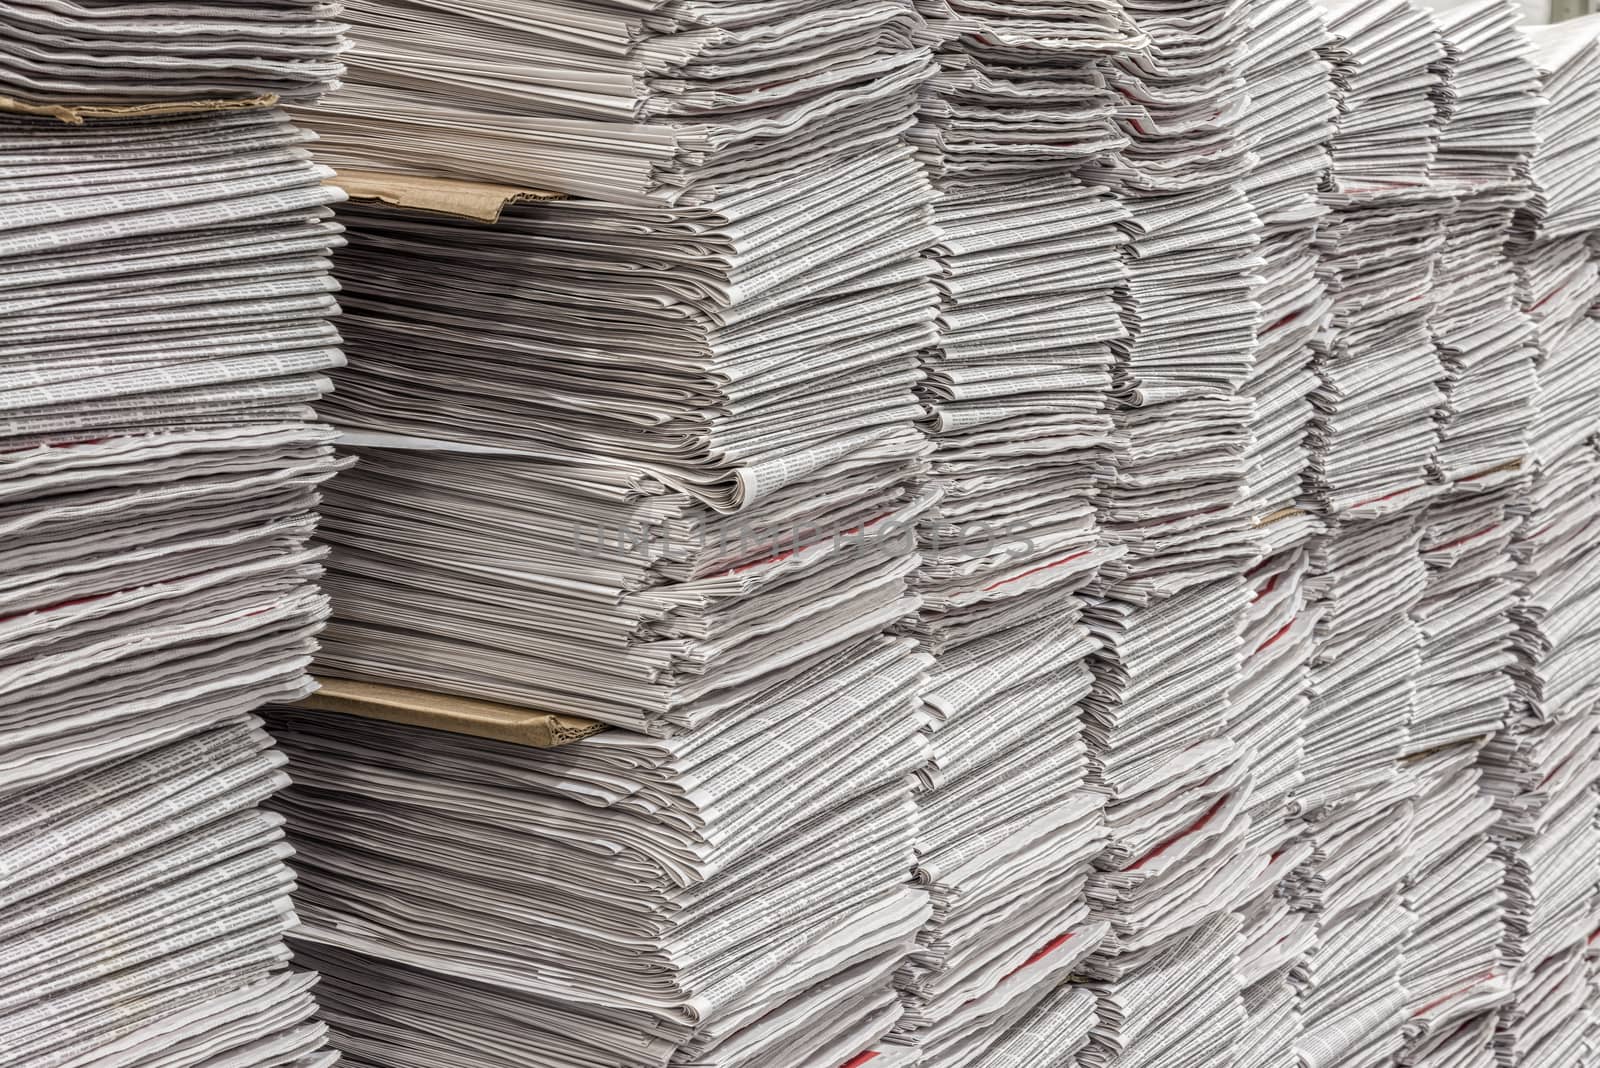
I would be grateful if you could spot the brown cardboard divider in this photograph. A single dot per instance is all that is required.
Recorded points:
(76, 114)
(478, 201)
(1278, 516)
(1499, 469)
(455, 715)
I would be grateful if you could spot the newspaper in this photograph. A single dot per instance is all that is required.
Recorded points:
(820, 287)
(1016, 401)
(86, 52)
(667, 864)
(656, 461)
(157, 505)
(1381, 243)
(146, 904)
(165, 290)
(1256, 726)
(1487, 103)
(655, 613)
(1487, 345)
(624, 103)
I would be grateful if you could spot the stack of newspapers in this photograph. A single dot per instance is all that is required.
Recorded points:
(1157, 718)
(1542, 768)
(698, 899)
(1367, 578)
(1542, 781)
(561, 579)
(91, 51)
(600, 547)
(1551, 238)
(1489, 101)
(146, 902)
(1466, 615)
(1175, 999)
(1014, 396)
(1182, 877)
(1487, 351)
(1486, 143)
(165, 327)
(662, 466)
(1372, 442)
(1179, 501)
(629, 102)
(1289, 122)
(165, 290)
(1375, 433)
(1380, 369)
(1267, 706)
(1453, 888)
(1180, 880)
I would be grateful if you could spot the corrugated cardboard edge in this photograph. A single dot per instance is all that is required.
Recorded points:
(1499, 469)
(1279, 516)
(456, 715)
(479, 201)
(78, 114)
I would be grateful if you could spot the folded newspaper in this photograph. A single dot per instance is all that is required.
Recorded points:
(630, 103)
(165, 334)
(145, 907)
(87, 52)
(660, 466)
(698, 900)
(1536, 769)
(165, 290)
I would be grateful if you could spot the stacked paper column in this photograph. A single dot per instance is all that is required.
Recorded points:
(1591, 1041)
(1540, 771)
(1488, 103)
(1289, 122)
(1036, 492)
(165, 291)
(1371, 444)
(1187, 881)
(1029, 259)
(653, 460)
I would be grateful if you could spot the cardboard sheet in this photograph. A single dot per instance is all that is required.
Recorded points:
(458, 715)
(480, 201)
(78, 114)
